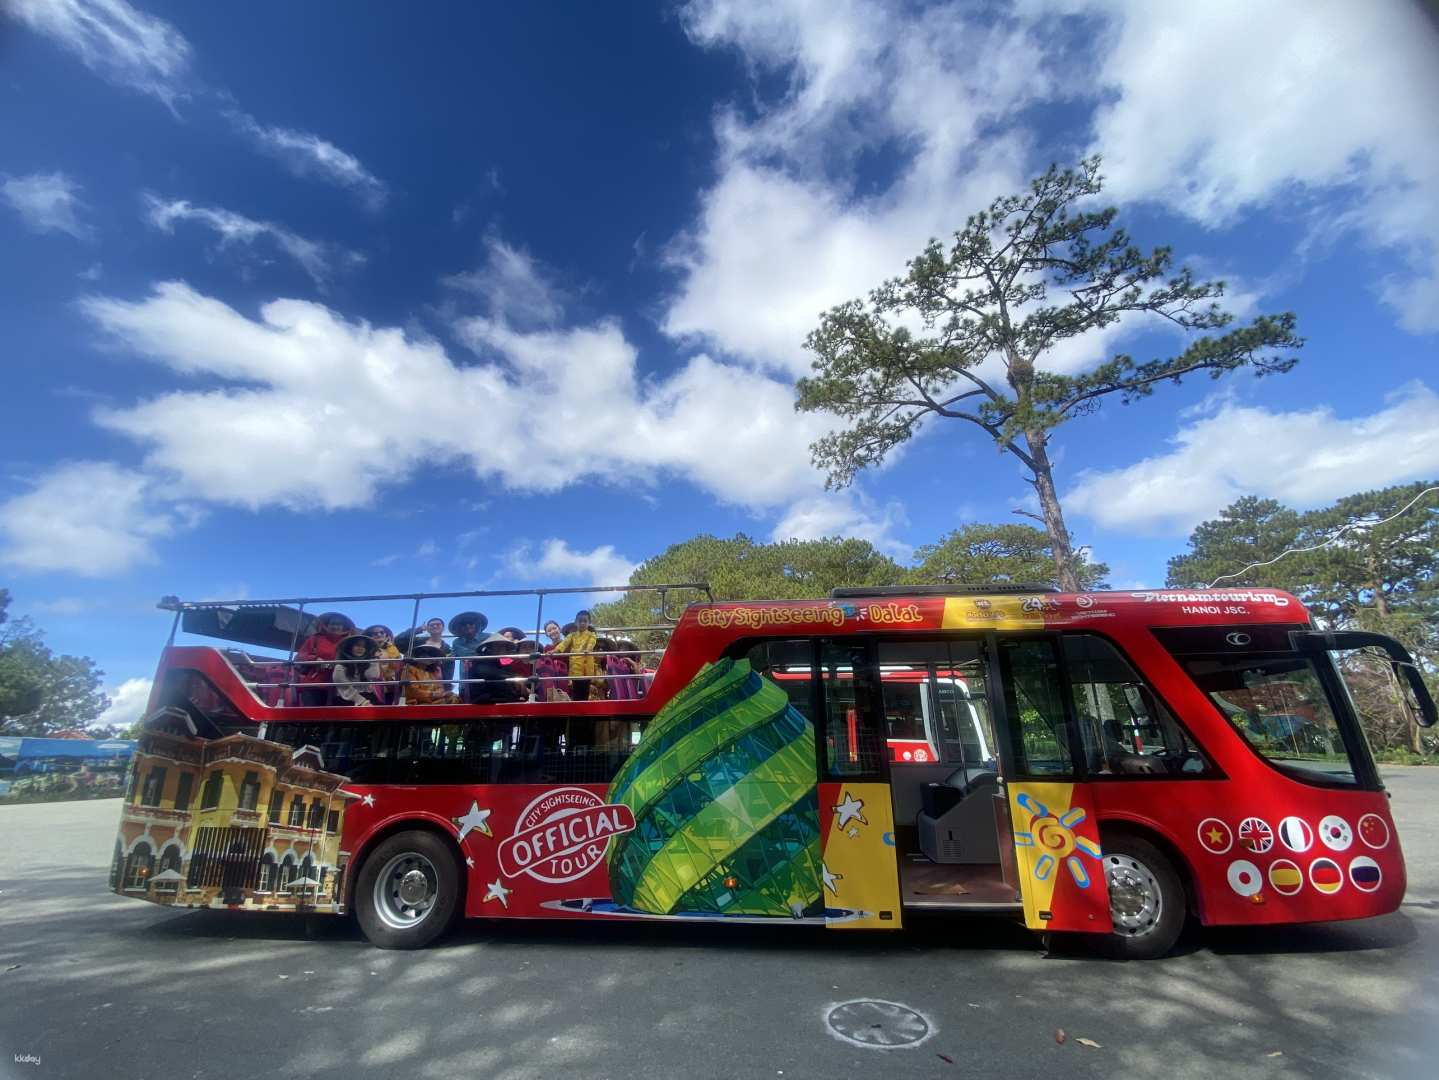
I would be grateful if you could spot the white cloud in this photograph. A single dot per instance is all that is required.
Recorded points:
(306, 154)
(557, 561)
(785, 232)
(62, 605)
(114, 40)
(87, 517)
(512, 286)
(298, 424)
(1329, 94)
(844, 514)
(127, 703)
(47, 202)
(316, 259)
(1303, 458)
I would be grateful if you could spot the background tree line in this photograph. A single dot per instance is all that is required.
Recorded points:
(42, 693)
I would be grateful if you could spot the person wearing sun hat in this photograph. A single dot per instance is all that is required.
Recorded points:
(466, 628)
(314, 678)
(355, 673)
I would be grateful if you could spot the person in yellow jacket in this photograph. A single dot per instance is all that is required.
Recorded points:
(579, 645)
(384, 640)
(423, 682)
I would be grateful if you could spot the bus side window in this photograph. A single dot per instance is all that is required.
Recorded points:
(854, 743)
(1038, 728)
(1124, 728)
(789, 664)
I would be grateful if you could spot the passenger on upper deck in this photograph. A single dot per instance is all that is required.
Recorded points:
(466, 627)
(578, 645)
(435, 629)
(390, 673)
(496, 666)
(355, 674)
(424, 684)
(552, 671)
(330, 628)
(624, 669)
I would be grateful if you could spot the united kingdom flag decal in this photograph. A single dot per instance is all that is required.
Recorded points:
(1255, 835)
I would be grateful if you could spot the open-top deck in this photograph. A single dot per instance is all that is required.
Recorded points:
(674, 645)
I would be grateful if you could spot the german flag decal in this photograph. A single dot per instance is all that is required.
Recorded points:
(1325, 875)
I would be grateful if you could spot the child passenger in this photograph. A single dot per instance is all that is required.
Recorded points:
(578, 646)
(314, 676)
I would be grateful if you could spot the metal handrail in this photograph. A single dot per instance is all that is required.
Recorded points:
(174, 603)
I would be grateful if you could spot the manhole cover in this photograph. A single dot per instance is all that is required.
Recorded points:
(880, 1025)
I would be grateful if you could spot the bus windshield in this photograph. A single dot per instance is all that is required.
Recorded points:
(1280, 707)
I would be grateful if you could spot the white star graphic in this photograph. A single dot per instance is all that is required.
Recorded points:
(368, 800)
(470, 862)
(853, 833)
(830, 879)
(497, 891)
(851, 809)
(475, 819)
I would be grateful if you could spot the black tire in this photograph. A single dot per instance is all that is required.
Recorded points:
(1146, 899)
(398, 911)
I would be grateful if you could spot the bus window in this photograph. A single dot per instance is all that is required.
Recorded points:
(1124, 728)
(790, 665)
(935, 703)
(854, 745)
(1039, 730)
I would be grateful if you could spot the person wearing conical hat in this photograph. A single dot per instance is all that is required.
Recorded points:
(355, 673)
(311, 673)
(423, 681)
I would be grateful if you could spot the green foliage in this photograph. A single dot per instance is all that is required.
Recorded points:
(42, 693)
(1020, 278)
(985, 553)
(1378, 577)
(741, 568)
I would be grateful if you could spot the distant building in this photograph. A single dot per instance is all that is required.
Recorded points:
(230, 822)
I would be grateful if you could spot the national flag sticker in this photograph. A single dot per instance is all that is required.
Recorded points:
(1335, 832)
(1214, 836)
(1255, 835)
(1325, 875)
(1244, 877)
(1374, 831)
(1365, 873)
(1296, 834)
(1286, 877)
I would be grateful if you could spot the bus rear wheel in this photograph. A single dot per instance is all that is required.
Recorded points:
(409, 890)
(1146, 898)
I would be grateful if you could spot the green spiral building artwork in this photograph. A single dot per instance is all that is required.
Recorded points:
(726, 814)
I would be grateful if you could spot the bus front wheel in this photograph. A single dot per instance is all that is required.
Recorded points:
(1146, 898)
(409, 890)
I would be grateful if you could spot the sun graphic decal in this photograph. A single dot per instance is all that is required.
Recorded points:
(1056, 838)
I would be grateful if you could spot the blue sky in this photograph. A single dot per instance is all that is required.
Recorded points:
(309, 298)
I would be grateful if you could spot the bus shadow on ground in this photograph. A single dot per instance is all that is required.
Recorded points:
(957, 934)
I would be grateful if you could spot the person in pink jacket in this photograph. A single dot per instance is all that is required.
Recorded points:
(314, 678)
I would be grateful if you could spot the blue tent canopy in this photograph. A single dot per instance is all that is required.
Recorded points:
(24, 748)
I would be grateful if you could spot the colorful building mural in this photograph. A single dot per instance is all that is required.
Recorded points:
(41, 770)
(235, 822)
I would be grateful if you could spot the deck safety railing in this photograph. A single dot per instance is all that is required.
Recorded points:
(645, 655)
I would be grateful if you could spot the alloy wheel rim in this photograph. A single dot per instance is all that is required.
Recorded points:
(405, 890)
(1135, 902)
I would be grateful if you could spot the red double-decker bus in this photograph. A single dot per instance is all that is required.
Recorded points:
(1108, 763)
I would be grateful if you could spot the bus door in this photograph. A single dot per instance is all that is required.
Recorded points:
(1056, 829)
(860, 870)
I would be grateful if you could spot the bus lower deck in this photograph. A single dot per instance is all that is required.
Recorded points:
(1107, 763)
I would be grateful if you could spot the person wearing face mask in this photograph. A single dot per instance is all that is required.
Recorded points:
(390, 673)
(330, 629)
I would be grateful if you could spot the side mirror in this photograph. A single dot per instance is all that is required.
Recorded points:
(1313, 641)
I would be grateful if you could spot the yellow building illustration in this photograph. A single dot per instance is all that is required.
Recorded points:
(234, 822)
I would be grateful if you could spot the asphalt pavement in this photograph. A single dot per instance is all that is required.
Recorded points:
(96, 986)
